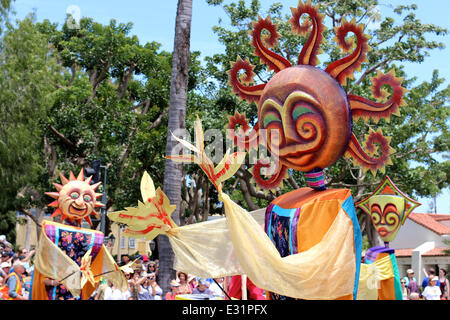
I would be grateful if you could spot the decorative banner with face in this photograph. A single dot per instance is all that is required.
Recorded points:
(388, 207)
(76, 199)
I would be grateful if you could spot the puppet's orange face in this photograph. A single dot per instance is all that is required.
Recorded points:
(309, 112)
(76, 198)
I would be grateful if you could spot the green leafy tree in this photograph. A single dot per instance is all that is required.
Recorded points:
(108, 105)
(26, 78)
(74, 95)
(5, 8)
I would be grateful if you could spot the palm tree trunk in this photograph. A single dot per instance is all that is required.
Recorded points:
(177, 123)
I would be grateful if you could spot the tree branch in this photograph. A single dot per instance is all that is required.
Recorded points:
(123, 86)
(28, 213)
(62, 137)
(245, 177)
(346, 185)
(402, 155)
(73, 69)
(158, 120)
(292, 182)
(368, 71)
(246, 193)
(95, 80)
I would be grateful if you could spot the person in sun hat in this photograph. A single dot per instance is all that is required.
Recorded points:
(409, 276)
(432, 291)
(192, 280)
(174, 285)
(411, 282)
(4, 271)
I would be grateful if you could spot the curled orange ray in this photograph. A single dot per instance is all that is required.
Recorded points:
(275, 180)
(364, 108)
(344, 68)
(245, 92)
(273, 61)
(367, 160)
(311, 49)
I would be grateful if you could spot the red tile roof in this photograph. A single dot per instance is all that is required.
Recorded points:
(431, 221)
(436, 252)
(439, 251)
(403, 252)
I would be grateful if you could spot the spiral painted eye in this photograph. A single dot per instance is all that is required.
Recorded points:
(375, 214)
(74, 195)
(375, 217)
(87, 198)
(391, 215)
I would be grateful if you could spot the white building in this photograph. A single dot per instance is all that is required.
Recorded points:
(419, 244)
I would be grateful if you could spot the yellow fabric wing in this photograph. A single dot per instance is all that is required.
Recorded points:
(147, 187)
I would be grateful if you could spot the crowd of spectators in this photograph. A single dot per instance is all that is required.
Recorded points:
(433, 287)
(16, 270)
(143, 277)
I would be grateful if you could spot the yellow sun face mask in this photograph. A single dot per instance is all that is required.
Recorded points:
(76, 198)
(388, 207)
(387, 212)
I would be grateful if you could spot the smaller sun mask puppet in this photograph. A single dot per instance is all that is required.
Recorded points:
(76, 198)
(388, 207)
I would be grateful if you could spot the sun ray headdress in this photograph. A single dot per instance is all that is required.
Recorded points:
(304, 114)
(75, 198)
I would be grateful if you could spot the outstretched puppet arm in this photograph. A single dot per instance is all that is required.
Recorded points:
(238, 244)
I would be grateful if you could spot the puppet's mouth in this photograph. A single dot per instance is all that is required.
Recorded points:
(77, 211)
(383, 232)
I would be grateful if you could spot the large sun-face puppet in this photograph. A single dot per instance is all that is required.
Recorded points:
(76, 198)
(388, 208)
(304, 115)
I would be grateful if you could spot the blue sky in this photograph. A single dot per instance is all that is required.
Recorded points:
(154, 20)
